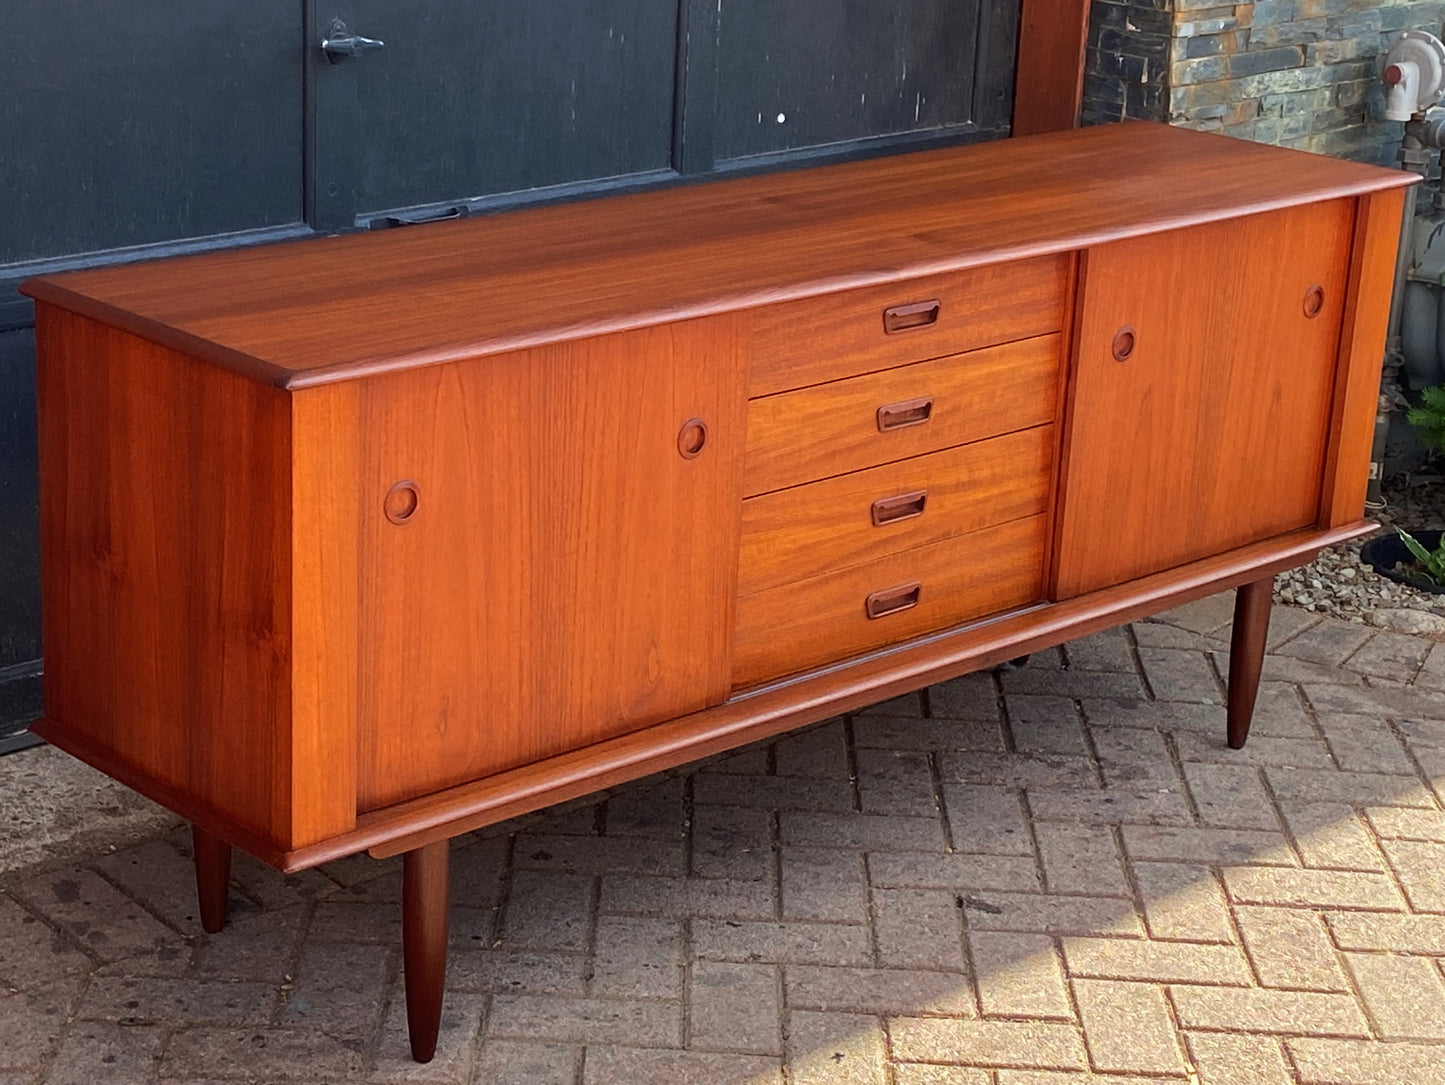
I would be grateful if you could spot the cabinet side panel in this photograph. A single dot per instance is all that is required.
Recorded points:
(1362, 354)
(324, 633)
(567, 574)
(165, 536)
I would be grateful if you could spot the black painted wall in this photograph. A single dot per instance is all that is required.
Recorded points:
(135, 130)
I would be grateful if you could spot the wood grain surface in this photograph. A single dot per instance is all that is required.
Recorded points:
(567, 575)
(314, 311)
(1049, 90)
(807, 530)
(795, 627)
(798, 343)
(829, 429)
(1212, 434)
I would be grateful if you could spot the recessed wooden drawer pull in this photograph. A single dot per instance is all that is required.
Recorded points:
(1123, 345)
(910, 412)
(888, 510)
(892, 600)
(1314, 301)
(401, 501)
(902, 318)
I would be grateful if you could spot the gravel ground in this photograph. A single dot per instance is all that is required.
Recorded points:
(1338, 585)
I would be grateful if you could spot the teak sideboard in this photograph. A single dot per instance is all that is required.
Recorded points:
(363, 543)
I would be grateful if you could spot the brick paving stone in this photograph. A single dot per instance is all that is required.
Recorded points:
(1156, 635)
(358, 921)
(1392, 933)
(1375, 701)
(1151, 715)
(1231, 796)
(509, 1062)
(32, 953)
(637, 957)
(1017, 770)
(734, 1007)
(1374, 788)
(452, 1064)
(1282, 668)
(1421, 870)
(896, 782)
(1290, 948)
(1329, 642)
(98, 916)
(1405, 996)
(1182, 903)
(159, 876)
(635, 1066)
(1390, 655)
(984, 818)
(1331, 836)
(1135, 760)
(732, 842)
(1357, 1062)
(806, 943)
(862, 831)
(1064, 1077)
(1048, 914)
(1110, 807)
(1080, 859)
(653, 811)
(1365, 744)
(1158, 962)
(1399, 823)
(1224, 1009)
(918, 928)
(773, 793)
(33, 1020)
(645, 895)
(1127, 1027)
(887, 733)
(260, 1055)
(1018, 975)
(1432, 673)
(1194, 845)
(1105, 651)
(1312, 888)
(908, 706)
(532, 971)
(1180, 676)
(338, 989)
(1206, 615)
(1425, 733)
(98, 1052)
(1075, 684)
(961, 872)
(819, 751)
(144, 999)
(987, 1043)
(749, 760)
(913, 1073)
(835, 1049)
(823, 883)
(598, 855)
(546, 911)
(1046, 725)
(1224, 1059)
(894, 991)
(259, 947)
(586, 1020)
(971, 697)
(1263, 750)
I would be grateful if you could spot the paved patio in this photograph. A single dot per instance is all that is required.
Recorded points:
(1048, 876)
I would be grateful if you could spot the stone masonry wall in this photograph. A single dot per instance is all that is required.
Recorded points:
(1299, 73)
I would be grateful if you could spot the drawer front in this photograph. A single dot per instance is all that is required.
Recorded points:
(800, 532)
(847, 425)
(839, 335)
(795, 627)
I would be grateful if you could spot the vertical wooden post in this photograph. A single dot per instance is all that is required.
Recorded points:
(425, 896)
(1246, 655)
(213, 877)
(1049, 87)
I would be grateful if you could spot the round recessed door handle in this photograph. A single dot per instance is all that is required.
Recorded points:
(401, 501)
(691, 438)
(1314, 301)
(1124, 342)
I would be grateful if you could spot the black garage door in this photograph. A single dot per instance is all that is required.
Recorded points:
(138, 129)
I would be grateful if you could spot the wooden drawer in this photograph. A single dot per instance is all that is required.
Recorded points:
(844, 334)
(797, 533)
(798, 626)
(846, 425)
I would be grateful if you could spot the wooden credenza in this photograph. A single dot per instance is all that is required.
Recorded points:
(362, 543)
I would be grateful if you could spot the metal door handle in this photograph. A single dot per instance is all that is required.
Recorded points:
(340, 43)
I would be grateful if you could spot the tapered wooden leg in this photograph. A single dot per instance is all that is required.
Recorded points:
(1246, 655)
(424, 900)
(213, 877)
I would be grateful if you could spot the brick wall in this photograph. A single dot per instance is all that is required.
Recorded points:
(1300, 73)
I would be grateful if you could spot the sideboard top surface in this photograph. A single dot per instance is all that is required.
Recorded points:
(299, 314)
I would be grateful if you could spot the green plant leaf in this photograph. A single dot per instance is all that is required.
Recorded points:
(1432, 564)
